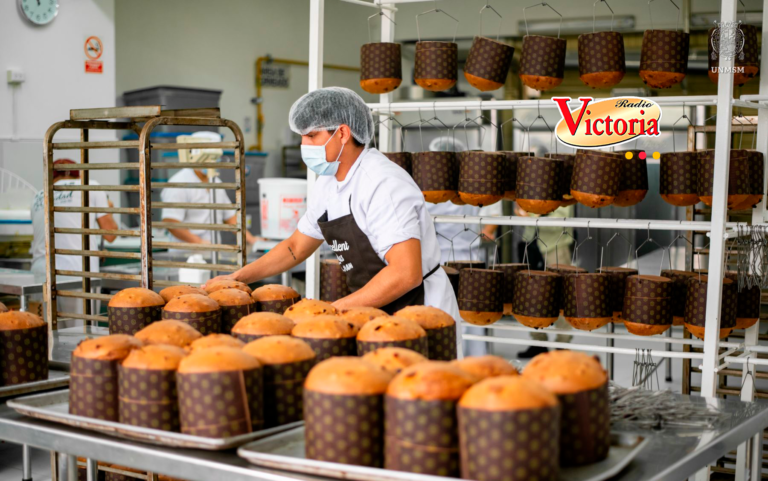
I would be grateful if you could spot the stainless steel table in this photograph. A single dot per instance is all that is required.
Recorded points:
(20, 283)
(670, 455)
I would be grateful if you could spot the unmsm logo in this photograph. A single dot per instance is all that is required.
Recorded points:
(606, 122)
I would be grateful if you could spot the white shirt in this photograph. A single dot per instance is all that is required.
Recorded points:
(67, 220)
(389, 208)
(461, 238)
(201, 196)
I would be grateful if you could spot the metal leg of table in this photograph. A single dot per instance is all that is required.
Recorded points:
(286, 278)
(23, 303)
(92, 469)
(668, 347)
(54, 466)
(26, 463)
(71, 467)
(609, 356)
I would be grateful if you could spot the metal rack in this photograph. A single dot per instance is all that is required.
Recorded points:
(142, 121)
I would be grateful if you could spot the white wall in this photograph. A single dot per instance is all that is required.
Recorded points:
(215, 44)
(52, 57)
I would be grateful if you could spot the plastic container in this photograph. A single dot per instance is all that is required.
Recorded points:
(283, 202)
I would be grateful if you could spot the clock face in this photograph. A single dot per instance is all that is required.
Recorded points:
(39, 12)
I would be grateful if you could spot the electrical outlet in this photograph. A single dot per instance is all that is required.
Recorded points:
(15, 76)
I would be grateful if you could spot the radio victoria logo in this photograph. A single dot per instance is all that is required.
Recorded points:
(604, 122)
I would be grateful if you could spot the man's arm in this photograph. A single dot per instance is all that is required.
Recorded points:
(286, 255)
(107, 222)
(402, 274)
(184, 235)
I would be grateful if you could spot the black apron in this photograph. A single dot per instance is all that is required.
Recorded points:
(359, 260)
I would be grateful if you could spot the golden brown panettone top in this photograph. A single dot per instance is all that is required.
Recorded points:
(430, 381)
(274, 292)
(347, 375)
(227, 284)
(231, 297)
(215, 340)
(394, 359)
(279, 350)
(175, 333)
(107, 348)
(324, 327)
(426, 316)
(383, 329)
(566, 372)
(360, 315)
(191, 303)
(310, 308)
(483, 367)
(175, 291)
(218, 359)
(13, 320)
(264, 324)
(507, 393)
(160, 357)
(136, 297)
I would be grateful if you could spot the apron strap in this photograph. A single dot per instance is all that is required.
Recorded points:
(430, 272)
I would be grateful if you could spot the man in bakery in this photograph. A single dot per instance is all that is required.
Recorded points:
(365, 207)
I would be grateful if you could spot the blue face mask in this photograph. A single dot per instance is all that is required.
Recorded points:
(314, 157)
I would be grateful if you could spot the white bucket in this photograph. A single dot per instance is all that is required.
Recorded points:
(282, 202)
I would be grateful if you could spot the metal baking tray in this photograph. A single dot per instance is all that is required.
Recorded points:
(285, 451)
(56, 379)
(54, 407)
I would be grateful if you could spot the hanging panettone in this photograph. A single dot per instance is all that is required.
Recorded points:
(757, 188)
(542, 66)
(679, 178)
(538, 298)
(480, 296)
(617, 286)
(746, 63)
(488, 64)
(633, 182)
(739, 183)
(596, 176)
(648, 305)
(539, 184)
(481, 177)
(664, 58)
(437, 175)
(510, 175)
(508, 295)
(696, 306)
(601, 59)
(380, 67)
(403, 159)
(586, 305)
(747, 302)
(565, 179)
(679, 292)
(436, 65)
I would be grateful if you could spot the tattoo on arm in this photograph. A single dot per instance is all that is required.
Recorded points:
(292, 254)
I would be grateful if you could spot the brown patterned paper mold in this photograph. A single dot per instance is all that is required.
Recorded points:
(461, 265)
(394, 359)
(617, 286)
(539, 184)
(537, 298)
(746, 63)
(586, 305)
(757, 189)
(508, 293)
(309, 308)
(261, 324)
(565, 179)
(436, 65)
(93, 385)
(437, 175)
(200, 312)
(147, 387)
(502, 418)
(421, 429)
(132, 309)
(392, 331)
(679, 178)
(23, 348)
(739, 183)
(696, 306)
(664, 58)
(328, 336)
(174, 333)
(480, 296)
(633, 183)
(601, 59)
(220, 393)
(488, 64)
(596, 176)
(747, 303)
(333, 281)
(581, 385)
(648, 305)
(453, 276)
(286, 361)
(481, 177)
(380, 67)
(542, 65)
(274, 298)
(565, 269)
(440, 328)
(483, 367)
(235, 305)
(679, 293)
(403, 159)
(346, 393)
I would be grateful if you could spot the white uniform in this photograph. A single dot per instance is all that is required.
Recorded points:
(202, 196)
(389, 208)
(461, 238)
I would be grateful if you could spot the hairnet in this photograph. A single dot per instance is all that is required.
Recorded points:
(327, 109)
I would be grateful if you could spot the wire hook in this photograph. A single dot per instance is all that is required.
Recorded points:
(437, 10)
(488, 6)
(650, 13)
(379, 14)
(593, 13)
(543, 4)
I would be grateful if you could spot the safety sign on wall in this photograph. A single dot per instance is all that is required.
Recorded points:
(275, 75)
(93, 52)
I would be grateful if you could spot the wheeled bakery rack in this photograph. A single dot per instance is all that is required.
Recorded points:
(141, 120)
(718, 229)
